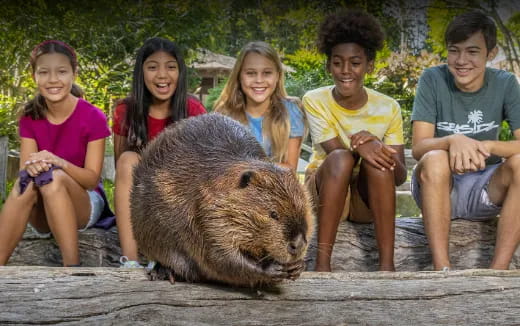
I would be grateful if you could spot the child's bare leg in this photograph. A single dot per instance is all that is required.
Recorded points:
(13, 219)
(332, 179)
(377, 188)
(125, 165)
(504, 189)
(434, 176)
(67, 207)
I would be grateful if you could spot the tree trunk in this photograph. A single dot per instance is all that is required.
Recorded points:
(108, 296)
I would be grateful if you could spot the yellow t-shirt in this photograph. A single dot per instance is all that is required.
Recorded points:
(381, 116)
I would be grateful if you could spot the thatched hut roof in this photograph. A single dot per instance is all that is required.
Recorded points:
(213, 62)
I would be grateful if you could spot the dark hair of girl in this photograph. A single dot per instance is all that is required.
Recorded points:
(37, 106)
(140, 99)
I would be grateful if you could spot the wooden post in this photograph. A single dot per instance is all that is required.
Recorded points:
(4, 144)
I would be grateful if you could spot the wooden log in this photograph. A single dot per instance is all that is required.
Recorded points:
(471, 246)
(107, 296)
(97, 247)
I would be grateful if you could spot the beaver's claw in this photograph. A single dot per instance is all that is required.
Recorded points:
(160, 273)
(295, 269)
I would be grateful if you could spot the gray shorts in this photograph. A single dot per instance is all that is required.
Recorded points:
(469, 195)
(96, 208)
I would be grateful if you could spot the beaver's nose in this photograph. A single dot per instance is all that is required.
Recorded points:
(296, 245)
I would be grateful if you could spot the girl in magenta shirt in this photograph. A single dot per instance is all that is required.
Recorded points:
(158, 98)
(62, 137)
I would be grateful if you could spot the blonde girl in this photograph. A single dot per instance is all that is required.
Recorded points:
(255, 95)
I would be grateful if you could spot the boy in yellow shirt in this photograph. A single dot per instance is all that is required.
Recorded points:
(357, 135)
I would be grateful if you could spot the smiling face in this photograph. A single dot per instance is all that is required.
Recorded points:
(258, 78)
(467, 62)
(161, 73)
(348, 65)
(54, 76)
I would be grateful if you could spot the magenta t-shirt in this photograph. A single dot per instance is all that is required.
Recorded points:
(69, 139)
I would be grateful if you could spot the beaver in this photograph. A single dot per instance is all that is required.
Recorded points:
(207, 205)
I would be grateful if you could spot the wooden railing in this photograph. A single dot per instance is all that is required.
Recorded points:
(3, 166)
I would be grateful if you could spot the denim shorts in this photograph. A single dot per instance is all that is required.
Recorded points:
(469, 195)
(96, 208)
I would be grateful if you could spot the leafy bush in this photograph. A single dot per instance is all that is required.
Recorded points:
(398, 79)
(213, 94)
(310, 72)
(8, 120)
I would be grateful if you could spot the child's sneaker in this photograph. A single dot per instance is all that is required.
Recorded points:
(125, 263)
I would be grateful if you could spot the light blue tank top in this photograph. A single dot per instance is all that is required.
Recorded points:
(295, 122)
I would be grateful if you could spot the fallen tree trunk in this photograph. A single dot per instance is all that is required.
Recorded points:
(103, 296)
(471, 246)
(98, 247)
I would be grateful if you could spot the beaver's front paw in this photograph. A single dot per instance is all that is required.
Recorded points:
(160, 273)
(275, 271)
(295, 269)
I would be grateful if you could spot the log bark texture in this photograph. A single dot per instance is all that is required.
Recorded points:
(112, 296)
(471, 246)
(97, 247)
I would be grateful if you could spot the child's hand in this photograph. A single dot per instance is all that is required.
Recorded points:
(467, 154)
(359, 138)
(47, 157)
(377, 154)
(35, 167)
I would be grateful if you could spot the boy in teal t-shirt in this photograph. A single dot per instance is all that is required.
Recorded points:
(464, 171)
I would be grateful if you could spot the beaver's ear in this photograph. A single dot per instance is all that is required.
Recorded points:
(245, 179)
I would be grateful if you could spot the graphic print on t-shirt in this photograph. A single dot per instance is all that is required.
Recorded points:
(474, 126)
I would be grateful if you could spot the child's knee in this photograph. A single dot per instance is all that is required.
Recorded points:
(58, 183)
(126, 163)
(512, 164)
(375, 172)
(434, 167)
(339, 163)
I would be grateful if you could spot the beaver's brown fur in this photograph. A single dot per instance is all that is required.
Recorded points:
(208, 205)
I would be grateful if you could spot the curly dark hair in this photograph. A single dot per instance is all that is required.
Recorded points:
(352, 26)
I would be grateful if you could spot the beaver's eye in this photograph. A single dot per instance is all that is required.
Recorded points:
(274, 215)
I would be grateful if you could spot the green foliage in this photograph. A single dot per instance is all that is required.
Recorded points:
(398, 79)
(310, 72)
(9, 187)
(109, 187)
(213, 95)
(439, 16)
(505, 132)
(194, 80)
(8, 120)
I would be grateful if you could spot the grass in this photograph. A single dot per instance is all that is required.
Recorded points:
(109, 192)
